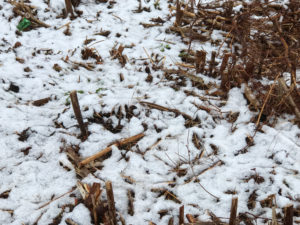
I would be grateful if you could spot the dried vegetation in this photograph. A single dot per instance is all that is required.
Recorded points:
(260, 41)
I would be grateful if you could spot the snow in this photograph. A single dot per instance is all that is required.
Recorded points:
(37, 178)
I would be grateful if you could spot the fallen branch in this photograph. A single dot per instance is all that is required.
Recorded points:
(162, 108)
(109, 148)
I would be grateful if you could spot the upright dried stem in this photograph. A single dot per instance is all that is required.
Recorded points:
(181, 215)
(288, 215)
(69, 8)
(111, 203)
(77, 112)
(233, 211)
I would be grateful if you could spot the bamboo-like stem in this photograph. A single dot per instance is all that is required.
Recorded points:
(69, 8)
(288, 215)
(233, 211)
(181, 215)
(77, 112)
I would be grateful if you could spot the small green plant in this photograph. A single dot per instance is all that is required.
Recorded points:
(98, 90)
(67, 101)
(68, 98)
(157, 4)
(163, 47)
(184, 54)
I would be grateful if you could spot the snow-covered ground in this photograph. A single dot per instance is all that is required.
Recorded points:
(32, 157)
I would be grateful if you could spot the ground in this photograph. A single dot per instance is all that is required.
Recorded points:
(199, 157)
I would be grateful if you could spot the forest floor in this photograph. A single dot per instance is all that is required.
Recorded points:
(178, 128)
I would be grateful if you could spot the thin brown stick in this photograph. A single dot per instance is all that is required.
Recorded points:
(233, 211)
(148, 56)
(109, 148)
(162, 108)
(57, 198)
(65, 25)
(266, 100)
(77, 112)
(218, 163)
(111, 202)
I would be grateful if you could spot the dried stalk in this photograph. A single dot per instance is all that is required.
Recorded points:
(162, 108)
(109, 148)
(57, 198)
(181, 215)
(288, 215)
(77, 112)
(69, 8)
(266, 100)
(111, 203)
(233, 211)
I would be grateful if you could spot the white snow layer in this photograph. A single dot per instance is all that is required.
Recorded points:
(37, 178)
